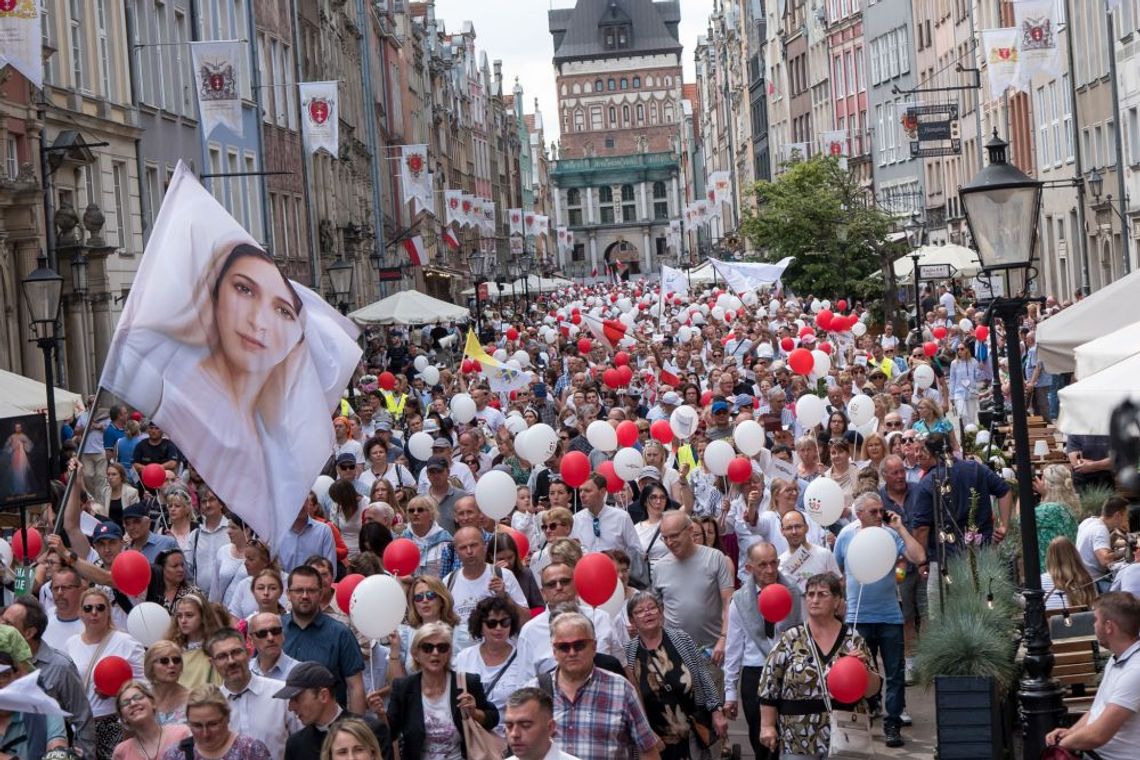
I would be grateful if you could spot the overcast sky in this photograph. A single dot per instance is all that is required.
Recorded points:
(516, 32)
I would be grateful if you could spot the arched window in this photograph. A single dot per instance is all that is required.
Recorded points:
(562, 89)
(668, 81)
(626, 193)
(577, 89)
(660, 201)
(606, 194)
(668, 112)
(579, 120)
(653, 112)
(613, 116)
(598, 85)
(595, 117)
(636, 82)
(649, 81)
(640, 114)
(612, 85)
(658, 190)
(624, 83)
(574, 196)
(625, 115)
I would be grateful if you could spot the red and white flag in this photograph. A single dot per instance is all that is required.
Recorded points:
(466, 214)
(417, 254)
(451, 238)
(320, 119)
(530, 223)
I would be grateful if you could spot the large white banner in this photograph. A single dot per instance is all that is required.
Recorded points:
(488, 224)
(1038, 50)
(720, 187)
(217, 77)
(320, 117)
(238, 365)
(21, 43)
(673, 280)
(415, 179)
(743, 277)
(999, 47)
(516, 217)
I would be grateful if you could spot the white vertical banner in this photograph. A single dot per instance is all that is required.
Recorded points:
(453, 207)
(217, 77)
(560, 233)
(720, 186)
(701, 212)
(21, 44)
(415, 179)
(467, 219)
(530, 223)
(1038, 50)
(542, 224)
(488, 218)
(516, 216)
(999, 46)
(320, 116)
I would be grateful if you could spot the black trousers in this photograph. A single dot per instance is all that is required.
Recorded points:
(750, 704)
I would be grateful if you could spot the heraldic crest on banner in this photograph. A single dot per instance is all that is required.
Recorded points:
(217, 80)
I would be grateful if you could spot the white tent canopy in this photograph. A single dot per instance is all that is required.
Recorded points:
(1087, 405)
(964, 260)
(23, 395)
(1107, 350)
(494, 290)
(538, 284)
(409, 307)
(1106, 310)
(702, 274)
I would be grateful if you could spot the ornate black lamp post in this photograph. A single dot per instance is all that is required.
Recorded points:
(477, 263)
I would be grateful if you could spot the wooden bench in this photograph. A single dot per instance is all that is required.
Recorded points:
(1078, 664)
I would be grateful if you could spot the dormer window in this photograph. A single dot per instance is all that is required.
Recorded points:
(617, 36)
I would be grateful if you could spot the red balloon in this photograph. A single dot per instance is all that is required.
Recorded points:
(847, 679)
(576, 318)
(387, 380)
(625, 374)
(787, 344)
(661, 431)
(621, 358)
(153, 476)
(706, 398)
(805, 330)
(740, 470)
(775, 602)
(627, 433)
(595, 577)
(930, 348)
(401, 557)
(131, 572)
(801, 361)
(729, 316)
(35, 544)
(584, 345)
(575, 468)
(840, 323)
(522, 543)
(939, 332)
(613, 482)
(345, 588)
(823, 319)
(613, 330)
(476, 366)
(110, 675)
(512, 333)
(841, 304)
(825, 347)
(981, 332)
(612, 378)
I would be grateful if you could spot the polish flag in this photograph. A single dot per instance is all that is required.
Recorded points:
(415, 248)
(450, 238)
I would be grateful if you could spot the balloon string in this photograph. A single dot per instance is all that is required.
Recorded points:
(858, 602)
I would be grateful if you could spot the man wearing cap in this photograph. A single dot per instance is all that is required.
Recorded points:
(253, 709)
(305, 538)
(347, 468)
(268, 637)
(719, 425)
(309, 691)
(437, 472)
(459, 473)
(156, 449)
(664, 407)
(136, 521)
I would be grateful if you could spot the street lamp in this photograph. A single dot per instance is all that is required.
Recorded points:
(340, 275)
(1096, 183)
(43, 291)
(526, 261)
(915, 232)
(1001, 204)
(477, 262)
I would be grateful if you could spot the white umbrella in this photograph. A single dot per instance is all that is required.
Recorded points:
(964, 260)
(1106, 310)
(22, 395)
(409, 307)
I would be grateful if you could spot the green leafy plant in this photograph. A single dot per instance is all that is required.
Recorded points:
(966, 644)
(1092, 499)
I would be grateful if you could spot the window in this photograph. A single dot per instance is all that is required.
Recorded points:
(640, 114)
(182, 91)
(47, 37)
(613, 116)
(1110, 143)
(848, 76)
(595, 117)
(574, 206)
(653, 112)
(636, 82)
(668, 112)
(625, 116)
(77, 52)
(153, 189)
(1067, 121)
(105, 64)
(609, 142)
(1133, 147)
(599, 85)
(611, 85)
(606, 204)
(624, 83)
(1042, 127)
(579, 120)
(628, 204)
(1055, 119)
(122, 201)
(660, 201)
(12, 156)
(838, 74)
(860, 85)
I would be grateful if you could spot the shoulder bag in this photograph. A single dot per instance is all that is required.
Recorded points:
(850, 731)
(481, 743)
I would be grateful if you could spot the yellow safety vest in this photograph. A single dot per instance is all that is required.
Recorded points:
(396, 408)
(685, 457)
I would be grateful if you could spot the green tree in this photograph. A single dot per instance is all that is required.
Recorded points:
(817, 212)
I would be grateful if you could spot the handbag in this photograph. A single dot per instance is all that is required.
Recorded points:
(481, 743)
(850, 731)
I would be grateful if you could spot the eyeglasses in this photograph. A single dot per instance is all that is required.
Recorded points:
(578, 645)
(658, 497)
(428, 647)
(892, 424)
(89, 608)
(265, 633)
(171, 660)
(497, 623)
(417, 510)
(64, 587)
(553, 524)
(557, 582)
(232, 654)
(127, 701)
(425, 596)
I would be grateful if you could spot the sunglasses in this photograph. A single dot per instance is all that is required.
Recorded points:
(417, 510)
(497, 623)
(552, 525)
(442, 648)
(172, 660)
(425, 596)
(578, 645)
(346, 467)
(267, 632)
(89, 608)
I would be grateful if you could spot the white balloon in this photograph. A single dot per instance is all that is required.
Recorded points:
(860, 409)
(495, 494)
(823, 499)
(551, 337)
(462, 408)
(574, 331)
(602, 436)
(419, 445)
(624, 305)
(148, 623)
(628, 318)
(683, 422)
(541, 442)
(522, 357)
(500, 355)
(628, 463)
(430, 375)
(966, 325)
(872, 554)
(717, 456)
(816, 306)
(923, 376)
(684, 334)
(858, 329)
(821, 363)
(513, 364)
(516, 424)
(810, 410)
(378, 605)
(616, 602)
(824, 304)
(749, 437)
(717, 313)
(420, 362)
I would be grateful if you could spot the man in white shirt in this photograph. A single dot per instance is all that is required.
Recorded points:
(210, 536)
(1111, 726)
(254, 711)
(1094, 538)
(599, 527)
(530, 727)
(459, 473)
(488, 415)
(803, 559)
(475, 580)
(66, 589)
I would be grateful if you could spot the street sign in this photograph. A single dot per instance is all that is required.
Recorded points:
(936, 271)
(933, 128)
(389, 274)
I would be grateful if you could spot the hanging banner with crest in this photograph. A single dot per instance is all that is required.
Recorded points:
(320, 117)
(217, 77)
(21, 44)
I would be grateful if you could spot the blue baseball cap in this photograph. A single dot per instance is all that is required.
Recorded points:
(107, 530)
(719, 406)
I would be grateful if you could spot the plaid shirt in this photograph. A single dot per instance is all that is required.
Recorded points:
(604, 721)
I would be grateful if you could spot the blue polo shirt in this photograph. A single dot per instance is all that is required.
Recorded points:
(156, 543)
(328, 642)
(314, 538)
(879, 602)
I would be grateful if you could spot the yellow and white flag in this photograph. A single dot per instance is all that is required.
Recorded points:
(501, 377)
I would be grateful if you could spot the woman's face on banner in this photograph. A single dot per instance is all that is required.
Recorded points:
(257, 322)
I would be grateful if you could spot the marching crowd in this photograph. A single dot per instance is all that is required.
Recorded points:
(685, 436)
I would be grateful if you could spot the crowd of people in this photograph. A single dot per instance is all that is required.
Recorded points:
(498, 653)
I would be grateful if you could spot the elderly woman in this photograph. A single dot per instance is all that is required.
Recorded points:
(494, 623)
(874, 452)
(98, 641)
(208, 715)
(163, 668)
(437, 694)
(169, 584)
(193, 624)
(793, 702)
(137, 710)
(556, 523)
(679, 694)
(929, 418)
(379, 468)
(426, 534)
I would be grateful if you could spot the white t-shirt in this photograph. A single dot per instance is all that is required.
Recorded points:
(465, 594)
(1120, 686)
(946, 300)
(513, 677)
(59, 631)
(1092, 534)
(118, 645)
(888, 341)
(442, 742)
(491, 417)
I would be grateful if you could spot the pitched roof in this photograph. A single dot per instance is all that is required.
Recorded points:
(576, 30)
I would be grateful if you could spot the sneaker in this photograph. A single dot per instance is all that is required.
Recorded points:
(904, 718)
(894, 736)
